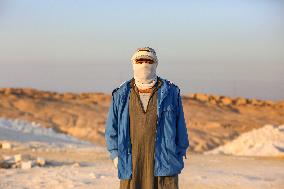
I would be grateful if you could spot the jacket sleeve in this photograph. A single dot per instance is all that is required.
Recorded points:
(182, 140)
(111, 131)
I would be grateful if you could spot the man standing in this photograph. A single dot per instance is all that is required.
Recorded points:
(146, 132)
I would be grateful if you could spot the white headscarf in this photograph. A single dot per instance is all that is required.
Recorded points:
(145, 74)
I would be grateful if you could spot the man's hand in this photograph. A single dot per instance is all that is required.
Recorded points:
(115, 162)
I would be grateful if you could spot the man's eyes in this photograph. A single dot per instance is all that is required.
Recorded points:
(140, 62)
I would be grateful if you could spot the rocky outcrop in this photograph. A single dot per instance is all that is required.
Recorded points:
(238, 101)
(94, 98)
(212, 120)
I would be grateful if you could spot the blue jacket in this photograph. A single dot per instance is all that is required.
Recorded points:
(171, 133)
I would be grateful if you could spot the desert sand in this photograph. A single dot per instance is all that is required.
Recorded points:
(72, 163)
(200, 172)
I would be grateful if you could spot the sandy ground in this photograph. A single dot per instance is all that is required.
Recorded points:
(71, 163)
(88, 168)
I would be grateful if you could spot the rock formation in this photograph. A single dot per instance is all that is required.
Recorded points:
(212, 120)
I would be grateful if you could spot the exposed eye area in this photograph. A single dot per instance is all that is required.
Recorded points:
(144, 50)
(141, 61)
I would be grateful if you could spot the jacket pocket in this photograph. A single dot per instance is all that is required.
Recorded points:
(174, 160)
(170, 146)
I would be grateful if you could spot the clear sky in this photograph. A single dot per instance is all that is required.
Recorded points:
(233, 48)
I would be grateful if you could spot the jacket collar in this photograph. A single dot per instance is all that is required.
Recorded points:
(162, 92)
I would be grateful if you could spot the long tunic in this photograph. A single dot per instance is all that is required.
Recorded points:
(143, 133)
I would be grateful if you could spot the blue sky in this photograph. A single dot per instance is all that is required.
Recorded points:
(233, 48)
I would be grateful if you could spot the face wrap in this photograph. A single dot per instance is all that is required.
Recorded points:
(145, 73)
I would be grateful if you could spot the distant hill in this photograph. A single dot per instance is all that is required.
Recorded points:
(212, 120)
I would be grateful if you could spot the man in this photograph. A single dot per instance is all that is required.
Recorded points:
(146, 132)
